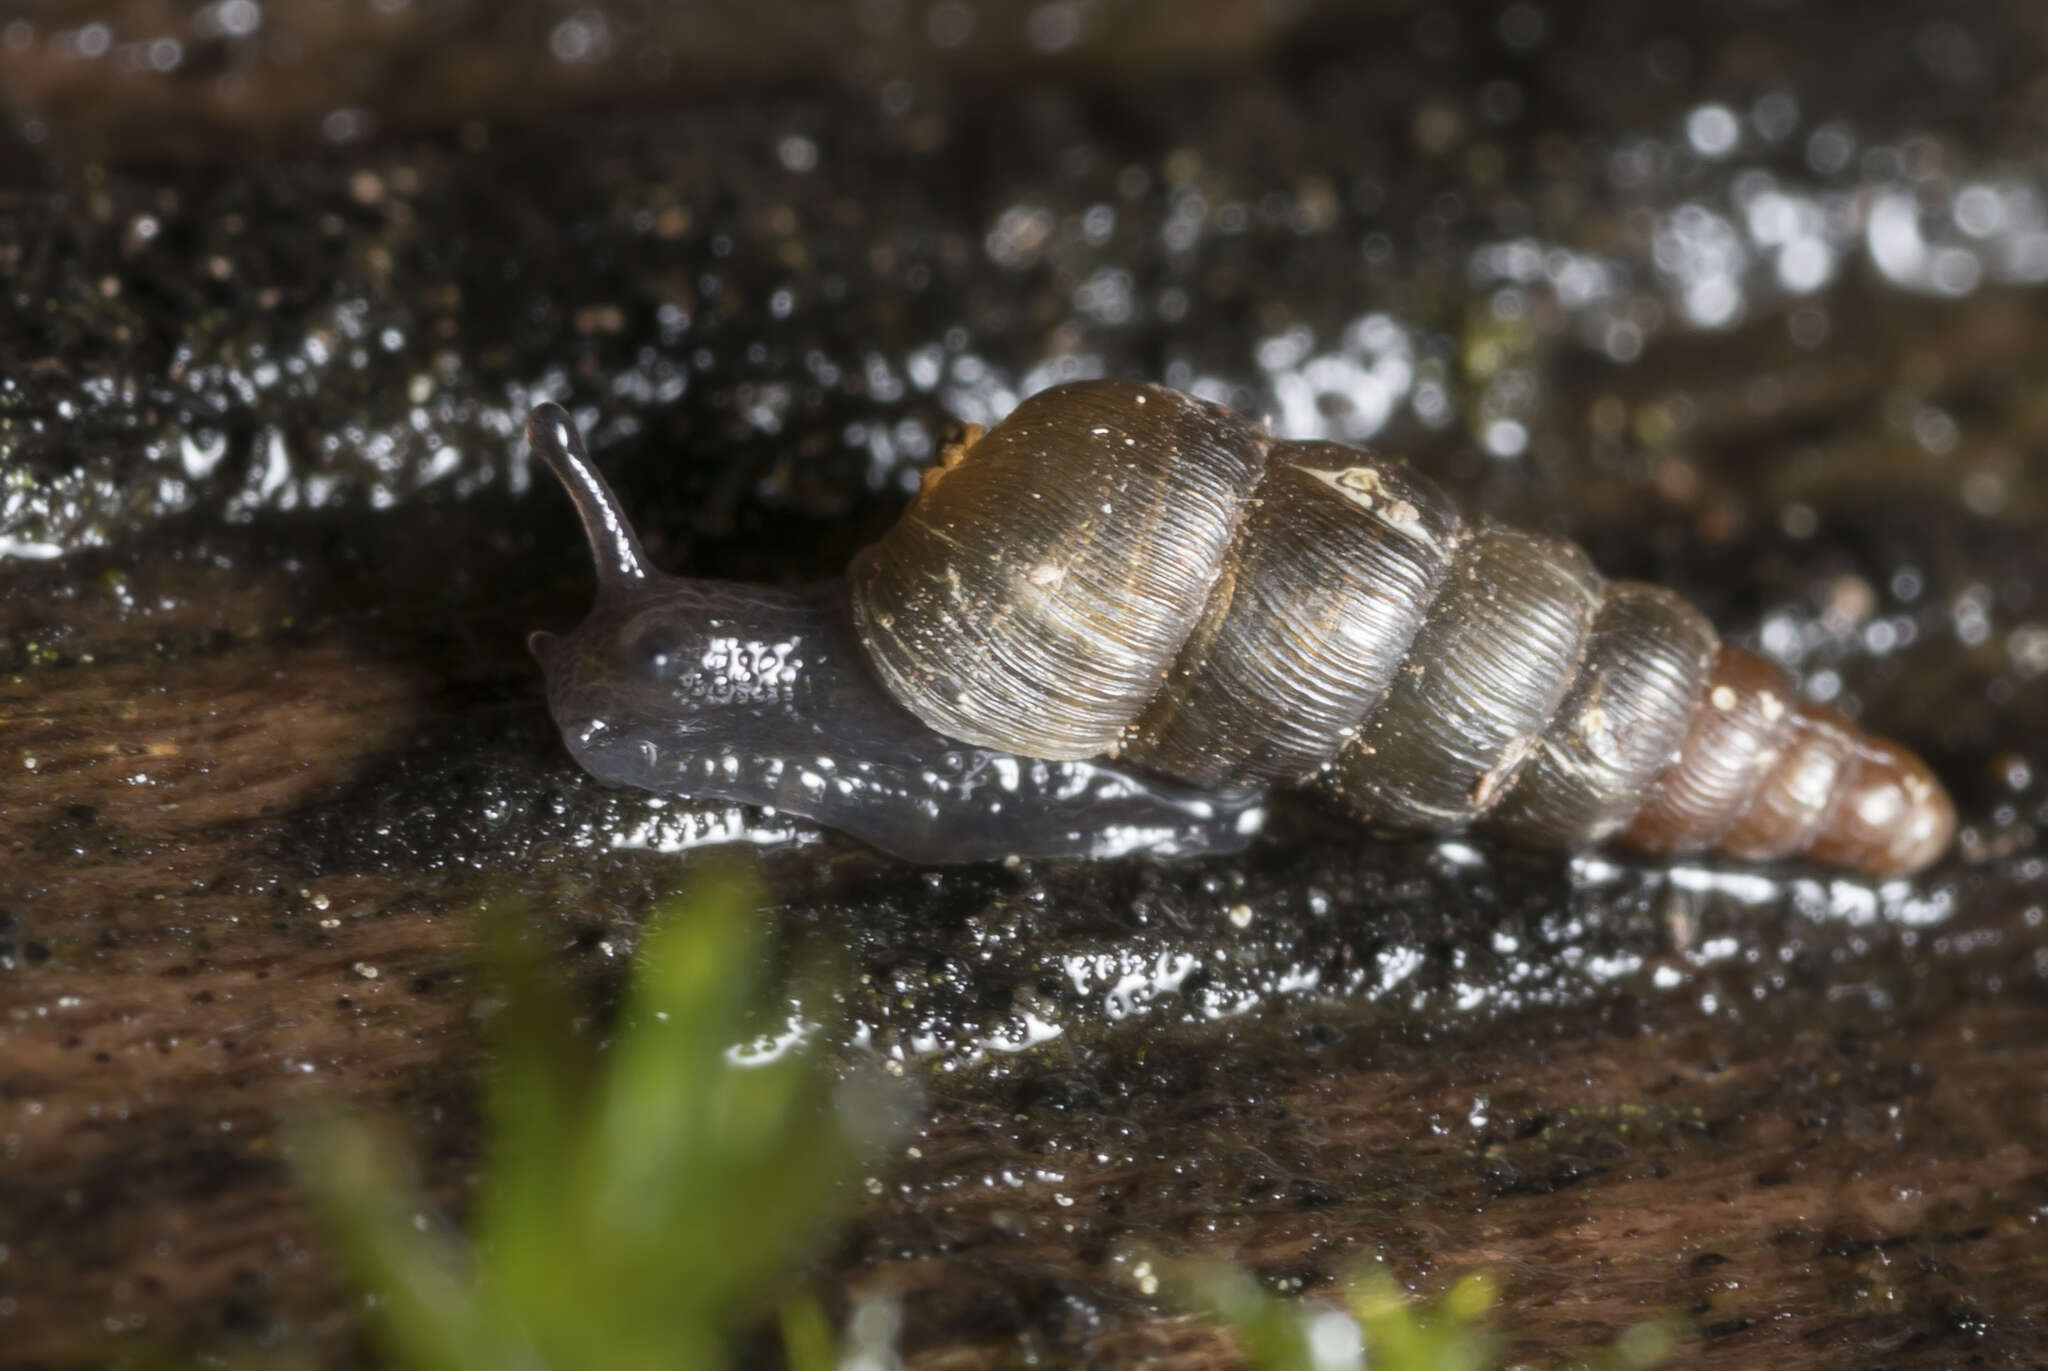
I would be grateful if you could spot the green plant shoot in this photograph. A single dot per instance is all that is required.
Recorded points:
(642, 1205)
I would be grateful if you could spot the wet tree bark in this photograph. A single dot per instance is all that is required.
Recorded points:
(1826, 1148)
(268, 735)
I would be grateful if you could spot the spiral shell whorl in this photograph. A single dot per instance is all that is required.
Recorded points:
(1033, 595)
(1497, 650)
(1620, 724)
(1322, 593)
(1120, 568)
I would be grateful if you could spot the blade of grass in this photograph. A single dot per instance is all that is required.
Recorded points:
(640, 1207)
(538, 1086)
(428, 1315)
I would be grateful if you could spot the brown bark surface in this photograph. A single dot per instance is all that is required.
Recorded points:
(273, 304)
(1846, 1170)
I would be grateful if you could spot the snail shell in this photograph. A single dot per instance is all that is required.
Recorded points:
(1123, 569)
(1121, 583)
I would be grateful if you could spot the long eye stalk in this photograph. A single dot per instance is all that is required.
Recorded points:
(616, 547)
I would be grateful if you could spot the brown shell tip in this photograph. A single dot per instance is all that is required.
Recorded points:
(1892, 818)
(1930, 823)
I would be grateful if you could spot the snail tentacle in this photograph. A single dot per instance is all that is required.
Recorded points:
(553, 436)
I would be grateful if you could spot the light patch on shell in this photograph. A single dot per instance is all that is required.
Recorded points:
(1490, 785)
(1366, 488)
(1596, 732)
(1880, 806)
(1724, 698)
(1813, 781)
(1359, 485)
(1772, 706)
(1046, 575)
(1926, 817)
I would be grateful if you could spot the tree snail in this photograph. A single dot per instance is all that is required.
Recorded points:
(1112, 621)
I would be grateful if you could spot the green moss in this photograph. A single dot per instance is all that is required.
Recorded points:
(1377, 1324)
(641, 1206)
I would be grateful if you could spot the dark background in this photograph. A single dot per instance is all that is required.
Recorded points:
(1743, 296)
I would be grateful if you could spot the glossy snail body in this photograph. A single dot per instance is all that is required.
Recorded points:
(1120, 571)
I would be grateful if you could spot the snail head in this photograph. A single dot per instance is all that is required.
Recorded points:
(668, 680)
(625, 676)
